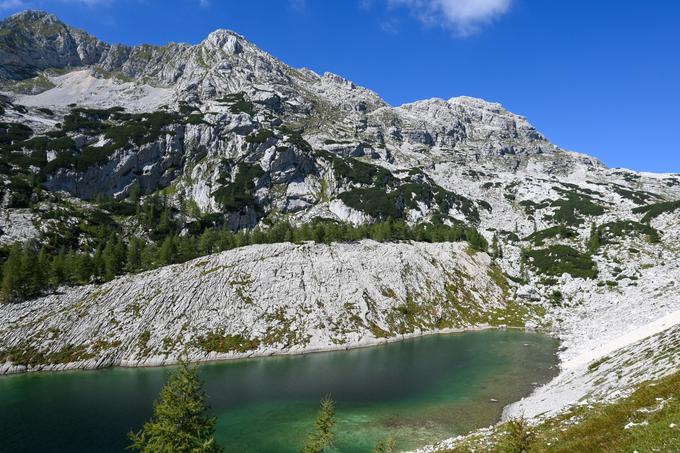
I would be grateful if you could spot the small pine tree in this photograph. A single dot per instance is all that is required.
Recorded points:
(322, 438)
(135, 193)
(179, 423)
(385, 446)
(495, 248)
(519, 437)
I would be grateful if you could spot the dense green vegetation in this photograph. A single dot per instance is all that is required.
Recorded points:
(356, 171)
(27, 355)
(20, 150)
(559, 259)
(573, 207)
(238, 103)
(179, 422)
(385, 196)
(609, 232)
(220, 342)
(236, 195)
(30, 270)
(636, 196)
(557, 232)
(382, 203)
(653, 211)
(259, 136)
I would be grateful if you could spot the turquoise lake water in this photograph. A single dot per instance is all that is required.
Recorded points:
(416, 391)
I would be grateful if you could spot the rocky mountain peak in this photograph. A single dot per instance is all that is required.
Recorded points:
(31, 15)
(226, 40)
(33, 41)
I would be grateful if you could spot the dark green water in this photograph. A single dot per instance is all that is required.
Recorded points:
(417, 391)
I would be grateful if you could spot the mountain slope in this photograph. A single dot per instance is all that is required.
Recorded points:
(258, 300)
(116, 161)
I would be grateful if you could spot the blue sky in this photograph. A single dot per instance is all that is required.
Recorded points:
(600, 77)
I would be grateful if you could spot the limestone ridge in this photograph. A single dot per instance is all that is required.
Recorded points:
(231, 138)
(263, 300)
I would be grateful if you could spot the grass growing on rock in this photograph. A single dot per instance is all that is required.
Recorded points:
(27, 355)
(218, 341)
(646, 421)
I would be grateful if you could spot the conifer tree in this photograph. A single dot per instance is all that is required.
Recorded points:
(179, 422)
(206, 242)
(22, 275)
(10, 291)
(83, 267)
(58, 271)
(319, 440)
(133, 258)
(149, 256)
(167, 252)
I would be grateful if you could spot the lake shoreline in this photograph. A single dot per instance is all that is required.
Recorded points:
(418, 391)
(8, 369)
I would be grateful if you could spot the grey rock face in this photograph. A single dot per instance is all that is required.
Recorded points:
(288, 298)
(34, 41)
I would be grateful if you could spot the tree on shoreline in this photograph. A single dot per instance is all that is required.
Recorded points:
(319, 440)
(179, 422)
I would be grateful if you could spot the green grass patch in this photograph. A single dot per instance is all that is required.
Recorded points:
(218, 341)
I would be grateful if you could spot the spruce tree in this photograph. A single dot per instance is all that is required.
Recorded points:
(23, 275)
(10, 291)
(179, 423)
(58, 270)
(167, 252)
(206, 242)
(319, 440)
(133, 258)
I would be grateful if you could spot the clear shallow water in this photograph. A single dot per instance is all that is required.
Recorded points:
(417, 391)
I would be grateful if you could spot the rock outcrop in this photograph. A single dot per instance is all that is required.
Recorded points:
(258, 300)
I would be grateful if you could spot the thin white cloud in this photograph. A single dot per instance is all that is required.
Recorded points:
(298, 5)
(463, 17)
(390, 26)
(11, 4)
